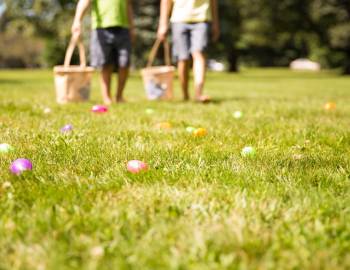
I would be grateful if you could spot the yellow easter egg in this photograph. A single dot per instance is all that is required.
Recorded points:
(200, 132)
(164, 125)
(330, 106)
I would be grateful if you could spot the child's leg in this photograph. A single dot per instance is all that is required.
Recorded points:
(123, 49)
(106, 75)
(199, 43)
(183, 69)
(100, 58)
(181, 52)
(123, 75)
(199, 70)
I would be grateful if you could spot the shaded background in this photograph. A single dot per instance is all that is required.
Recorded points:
(265, 33)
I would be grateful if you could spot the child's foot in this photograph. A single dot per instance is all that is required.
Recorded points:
(107, 101)
(203, 99)
(120, 100)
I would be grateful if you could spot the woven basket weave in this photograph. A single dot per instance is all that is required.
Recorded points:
(158, 80)
(73, 83)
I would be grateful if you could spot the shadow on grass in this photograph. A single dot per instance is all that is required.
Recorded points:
(222, 100)
(8, 81)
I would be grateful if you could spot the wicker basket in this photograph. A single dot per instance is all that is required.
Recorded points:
(72, 83)
(158, 81)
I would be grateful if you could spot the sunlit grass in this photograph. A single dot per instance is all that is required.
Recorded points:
(201, 205)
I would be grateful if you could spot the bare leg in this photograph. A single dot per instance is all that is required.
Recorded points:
(199, 70)
(106, 75)
(123, 75)
(183, 67)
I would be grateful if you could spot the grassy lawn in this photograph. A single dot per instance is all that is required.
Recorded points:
(201, 205)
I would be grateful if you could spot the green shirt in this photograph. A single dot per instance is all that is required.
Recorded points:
(109, 13)
(191, 11)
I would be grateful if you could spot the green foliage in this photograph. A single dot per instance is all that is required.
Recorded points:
(13, 55)
(276, 32)
(332, 19)
(146, 23)
(50, 20)
(201, 205)
(254, 32)
(231, 30)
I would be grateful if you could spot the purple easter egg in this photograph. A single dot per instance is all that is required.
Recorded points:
(67, 128)
(20, 165)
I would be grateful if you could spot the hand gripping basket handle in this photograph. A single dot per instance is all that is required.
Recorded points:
(155, 49)
(72, 44)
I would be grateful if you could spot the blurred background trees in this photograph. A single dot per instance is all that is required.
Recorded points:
(34, 33)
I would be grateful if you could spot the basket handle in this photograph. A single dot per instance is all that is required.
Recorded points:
(155, 49)
(69, 53)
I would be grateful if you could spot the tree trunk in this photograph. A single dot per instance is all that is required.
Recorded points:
(346, 68)
(233, 60)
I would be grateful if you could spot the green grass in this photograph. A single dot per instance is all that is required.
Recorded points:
(201, 205)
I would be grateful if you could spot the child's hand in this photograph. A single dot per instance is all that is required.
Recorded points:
(162, 32)
(76, 30)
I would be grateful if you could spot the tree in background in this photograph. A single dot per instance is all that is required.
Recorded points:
(276, 32)
(15, 35)
(332, 19)
(226, 48)
(146, 23)
(47, 20)
(254, 32)
(51, 21)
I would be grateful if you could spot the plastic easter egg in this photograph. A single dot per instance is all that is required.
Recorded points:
(99, 109)
(330, 106)
(164, 125)
(47, 111)
(237, 115)
(248, 151)
(149, 111)
(200, 132)
(67, 128)
(137, 166)
(190, 129)
(20, 165)
(6, 148)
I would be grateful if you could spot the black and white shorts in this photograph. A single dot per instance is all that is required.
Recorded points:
(110, 46)
(188, 38)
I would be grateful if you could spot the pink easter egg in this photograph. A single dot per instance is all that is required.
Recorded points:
(99, 109)
(136, 166)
